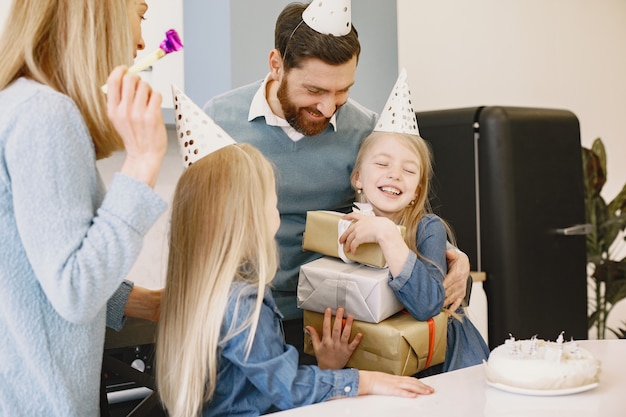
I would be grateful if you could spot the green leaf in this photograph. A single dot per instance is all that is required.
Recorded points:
(610, 228)
(620, 333)
(592, 319)
(594, 172)
(598, 148)
(618, 204)
(596, 214)
(608, 279)
(615, 273)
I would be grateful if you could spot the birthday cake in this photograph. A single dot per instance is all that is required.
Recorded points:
(537, 364)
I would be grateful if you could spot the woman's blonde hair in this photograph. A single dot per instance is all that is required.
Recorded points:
(413, 213)
(219, 233)
(72, 47)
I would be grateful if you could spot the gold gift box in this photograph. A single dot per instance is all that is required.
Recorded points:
(399, 345)
(321, 235)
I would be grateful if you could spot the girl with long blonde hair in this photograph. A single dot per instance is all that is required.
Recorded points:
(220, 346)
(392, 173)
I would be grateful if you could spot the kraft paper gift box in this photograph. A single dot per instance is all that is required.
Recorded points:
(321, 234)
(400, 345)
(361, 290)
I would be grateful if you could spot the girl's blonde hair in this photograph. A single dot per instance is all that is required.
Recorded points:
(219, 233)
(411, 214)
(72, 47)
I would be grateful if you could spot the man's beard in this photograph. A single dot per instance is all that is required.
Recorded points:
(294, 115)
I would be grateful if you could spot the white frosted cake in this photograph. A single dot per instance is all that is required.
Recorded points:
(542, 365)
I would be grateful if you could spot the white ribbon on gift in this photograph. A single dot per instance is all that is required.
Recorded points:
(342, 226)
(363, 208)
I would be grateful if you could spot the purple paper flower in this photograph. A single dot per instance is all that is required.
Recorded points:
(172, 42)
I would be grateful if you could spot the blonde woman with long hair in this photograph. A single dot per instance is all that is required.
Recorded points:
(67, 242)
(220, 345)
(392, 173)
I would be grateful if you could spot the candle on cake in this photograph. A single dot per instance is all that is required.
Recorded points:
(171, 43)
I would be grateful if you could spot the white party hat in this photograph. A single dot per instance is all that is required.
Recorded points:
(198, 135)
(329, 17)
(398, 115)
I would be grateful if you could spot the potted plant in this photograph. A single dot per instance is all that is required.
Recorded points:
(607, 275)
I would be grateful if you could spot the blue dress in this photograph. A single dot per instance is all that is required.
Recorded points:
(420, 288)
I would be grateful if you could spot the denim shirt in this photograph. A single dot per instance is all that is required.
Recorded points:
(269, 379)
(419, 286)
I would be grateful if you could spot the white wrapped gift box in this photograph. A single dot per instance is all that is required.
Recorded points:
(361, 290)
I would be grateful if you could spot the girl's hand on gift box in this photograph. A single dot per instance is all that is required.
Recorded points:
(376, 229)
(380, 383)
(334, 348)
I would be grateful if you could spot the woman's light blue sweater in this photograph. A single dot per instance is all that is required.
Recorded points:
(66, 246)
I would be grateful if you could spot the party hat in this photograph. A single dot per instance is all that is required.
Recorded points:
(329, 17)
(198, 135)
(398, 115)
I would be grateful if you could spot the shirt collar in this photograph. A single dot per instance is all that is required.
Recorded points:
(260, 108)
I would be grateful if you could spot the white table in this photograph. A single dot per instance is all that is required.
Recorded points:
(465, 393)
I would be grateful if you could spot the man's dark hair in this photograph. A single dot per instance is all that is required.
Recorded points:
(297, 42)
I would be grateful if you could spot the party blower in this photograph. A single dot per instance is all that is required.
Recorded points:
(171, 43)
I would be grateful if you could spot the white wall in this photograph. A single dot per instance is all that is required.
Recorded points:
(567, 54)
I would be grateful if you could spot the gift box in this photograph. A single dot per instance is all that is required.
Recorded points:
(361, 290)
(321, 234)
(399, 345)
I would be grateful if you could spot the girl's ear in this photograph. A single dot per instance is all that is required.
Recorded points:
(417, 192)
(357, 181)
